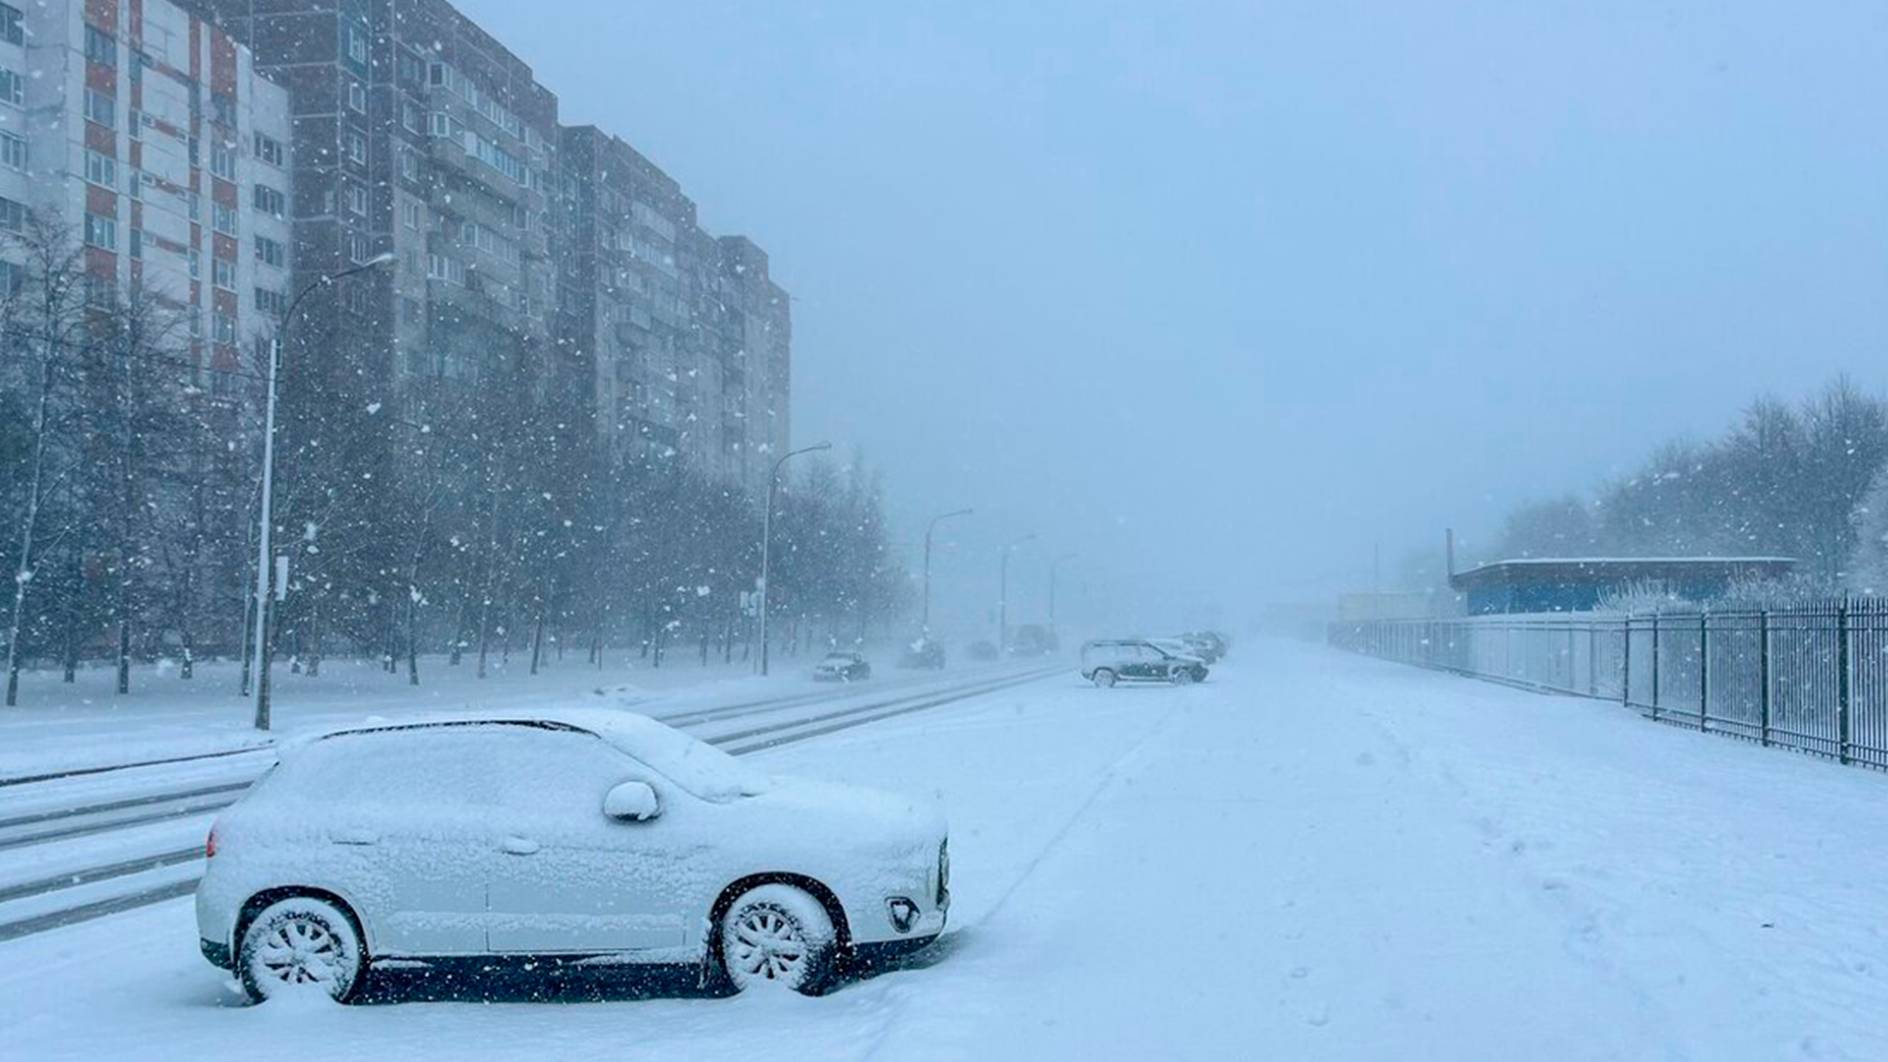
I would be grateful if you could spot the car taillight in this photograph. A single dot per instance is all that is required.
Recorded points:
(209, 844)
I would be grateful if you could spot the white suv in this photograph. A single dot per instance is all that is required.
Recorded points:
(598, 836)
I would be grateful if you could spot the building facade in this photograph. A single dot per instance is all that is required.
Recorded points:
(683, 337)
(147, 133)
(416, 132)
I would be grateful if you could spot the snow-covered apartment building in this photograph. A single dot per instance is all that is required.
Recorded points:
(147, 133)
(417, 132)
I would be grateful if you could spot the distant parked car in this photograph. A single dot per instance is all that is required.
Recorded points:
(982, 650)
(1209, 646)
(842, 667)
(923, 653)
(1032, 639)
(587, 835)
(1138, 660)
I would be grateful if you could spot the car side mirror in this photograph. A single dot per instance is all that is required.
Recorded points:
(632, 802)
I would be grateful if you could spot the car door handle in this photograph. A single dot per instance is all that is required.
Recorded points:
(356, 837)
(518, 846)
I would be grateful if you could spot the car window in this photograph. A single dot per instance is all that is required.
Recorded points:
(562, 774)
(429, 766)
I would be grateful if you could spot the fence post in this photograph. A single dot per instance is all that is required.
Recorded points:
(1763, 673)
(1842, 682)
(1625, 664)
(1655, 666)
(1593, 659)
(1704, 672)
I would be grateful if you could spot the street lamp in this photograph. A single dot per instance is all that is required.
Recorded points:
(1003, 597)
(935, 520)
(767, 537)
(1053, 565)
(264, 539)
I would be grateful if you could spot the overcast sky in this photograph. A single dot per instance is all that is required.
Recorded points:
(1218, 294)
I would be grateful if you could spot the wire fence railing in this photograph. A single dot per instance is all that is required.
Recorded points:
(1811, 677)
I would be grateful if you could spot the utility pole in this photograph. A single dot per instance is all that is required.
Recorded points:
(935, 520)
(264, 539)
(1053, 565)
(1003, 597)
(767, 536)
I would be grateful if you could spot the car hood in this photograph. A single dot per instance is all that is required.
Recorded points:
(836, 816)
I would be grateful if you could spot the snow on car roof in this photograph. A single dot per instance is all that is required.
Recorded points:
(695, 765)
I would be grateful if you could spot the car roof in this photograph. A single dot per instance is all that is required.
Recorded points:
(692, 764)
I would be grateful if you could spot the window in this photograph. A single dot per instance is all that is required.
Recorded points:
(196, 267)
(357, 97)
(357, 147)
(271, 252)
(223, 161)
(223, 273)
(101, 232)
(12, 25)
(270, 201)
(196, 323)
(269, 150)
(439, 75)
(224, 328)
(12, 278)
(99, 46)
(101, 108)
(12, 151)
(223, 219)
(12, 88)
(271, 301)
(101, 170)
(12, 215)
(137, 243)
(356, 44)
(409, 67)
(134, 185)
(410, 214)
(223, 107)
(357, 198)
(358, 248)
(409, 310)
(134, 124)
(409, 164)
(410, 118)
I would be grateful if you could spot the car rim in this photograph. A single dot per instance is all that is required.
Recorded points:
(768, 946)
(300, 950)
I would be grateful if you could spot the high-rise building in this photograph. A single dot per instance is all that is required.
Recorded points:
(415, 132)
(147, 133)
(684, 337)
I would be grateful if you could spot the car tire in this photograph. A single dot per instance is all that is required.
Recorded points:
(297, 943)
(1181, 676)
(778, 937)
(1103, 677)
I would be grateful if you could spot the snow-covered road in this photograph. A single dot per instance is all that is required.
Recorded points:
(1313, 856)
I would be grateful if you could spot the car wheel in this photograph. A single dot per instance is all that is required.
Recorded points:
(1182, 676)
(300, 942)
(777, 936)
(1104, 678)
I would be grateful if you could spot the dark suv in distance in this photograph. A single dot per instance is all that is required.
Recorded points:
(1107, 662)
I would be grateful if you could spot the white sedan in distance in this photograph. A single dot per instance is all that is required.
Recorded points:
(584, 836)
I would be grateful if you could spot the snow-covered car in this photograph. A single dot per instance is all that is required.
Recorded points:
(842, 667)
(1138, 660)
(587, 836)
(927, 653)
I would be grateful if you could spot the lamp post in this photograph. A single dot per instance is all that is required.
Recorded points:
(935, 520)
(767, 537)
(1003, 597)
(264, 540)
(1053, 565)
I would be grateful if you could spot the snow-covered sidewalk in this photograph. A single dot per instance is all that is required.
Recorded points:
(1314, 856)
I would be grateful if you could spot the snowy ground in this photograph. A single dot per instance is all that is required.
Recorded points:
(1313, 856)
(60, 726)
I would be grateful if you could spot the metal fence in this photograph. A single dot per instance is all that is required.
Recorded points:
(1812, 677)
